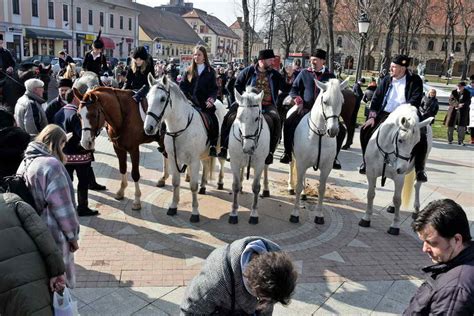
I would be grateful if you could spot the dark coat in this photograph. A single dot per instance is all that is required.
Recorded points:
(138, 79)
(358, 91)
(29, 258)
(64, 62)
(13, 142)
(463, 98)
(305, 87)
(448, 290)
(429, 108)
(229, 86)
(6, 59)
(68, 118)
(53, 107)
(248, 77)
(200, 88)
(97, 66)
(413, 92)
(369, 93)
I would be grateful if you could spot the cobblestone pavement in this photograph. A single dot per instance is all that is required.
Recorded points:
(140, 261)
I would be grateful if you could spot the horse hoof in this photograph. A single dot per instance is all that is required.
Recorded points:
(233, 219)
(161, 183)
(394, 231)
(265, 193)
(118, 197)
(202, 190)
(136, 206)
(253, 220)
(194, 218)
(303, 197)
(364, 223)
(294, 219)
(172, 211)
(291, 192)
(220, 186)
(319, 220)
(391, 209)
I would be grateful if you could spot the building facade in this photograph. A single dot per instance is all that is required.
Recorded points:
(256, 42)
(43, 27)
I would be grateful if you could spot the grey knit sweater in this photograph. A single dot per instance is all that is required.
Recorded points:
(210, 291)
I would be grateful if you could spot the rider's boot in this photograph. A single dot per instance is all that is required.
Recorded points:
(362, 168)
(421, 176)
(212, 151)
(269, 159)
(223, 153)
(286, 158)
(336, 164)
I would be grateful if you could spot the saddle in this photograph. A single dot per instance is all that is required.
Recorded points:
(208, 121)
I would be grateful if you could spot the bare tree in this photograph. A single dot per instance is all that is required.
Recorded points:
(330, 7)
(414, 18)
(393, 8)
(467, 21)
(286, 21)
(311, 11)
(246, 28)
(255, 14)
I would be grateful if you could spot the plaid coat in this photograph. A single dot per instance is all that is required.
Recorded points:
(53, 192)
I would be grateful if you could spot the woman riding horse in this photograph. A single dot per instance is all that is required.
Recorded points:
(138, 73)
(95, 60)
(199, 85)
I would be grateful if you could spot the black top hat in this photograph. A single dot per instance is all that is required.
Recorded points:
(98, 42)
(140, 52)
(462, 84)
(402, 60)
(64, 82)
(320, 53)
(266, 54)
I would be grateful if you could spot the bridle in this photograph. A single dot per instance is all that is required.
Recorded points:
(314, 128)
(99, 110)
(168, 101)
(256, 135)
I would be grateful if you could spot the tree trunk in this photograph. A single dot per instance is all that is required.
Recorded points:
(245, 9)
(395, 7)
(330, 7)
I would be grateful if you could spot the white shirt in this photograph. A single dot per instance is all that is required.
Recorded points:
(200, 68)
(396, 95)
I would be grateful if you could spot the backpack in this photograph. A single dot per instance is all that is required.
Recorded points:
(17, 184)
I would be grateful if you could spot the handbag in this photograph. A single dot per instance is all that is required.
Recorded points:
(63, 305)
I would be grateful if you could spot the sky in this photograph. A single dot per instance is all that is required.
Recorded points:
(226, 10)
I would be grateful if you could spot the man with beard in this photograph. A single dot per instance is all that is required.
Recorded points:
(263, 77)
(56, 104)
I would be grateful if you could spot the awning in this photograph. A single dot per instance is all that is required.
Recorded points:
(108, 42)
(48, 34)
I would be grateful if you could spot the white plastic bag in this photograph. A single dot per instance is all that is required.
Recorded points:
(64, 305)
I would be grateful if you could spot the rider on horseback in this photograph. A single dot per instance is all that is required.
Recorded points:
(64, 59)
(95, 60)
(400, 87)
(199, 85)
(304, 92)
(138, 73)
(263, 77)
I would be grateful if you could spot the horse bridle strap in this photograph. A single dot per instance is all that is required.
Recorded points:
(175, 135)
(97, 132)
(255, 136)
(320, 131)
(168, 101)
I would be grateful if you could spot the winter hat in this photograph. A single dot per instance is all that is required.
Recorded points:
(140, 52)
(266, 54)
(98, 42)
(402, 60)
(320, 53)
(64, 82)
(31, 84)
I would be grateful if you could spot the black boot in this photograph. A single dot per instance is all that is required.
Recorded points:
(93, 185)
(286, 159)
(223, 153)
(421, 176)
(362, 168)
(336, 164)
(83, 204)
(269, 159)
(212, 151)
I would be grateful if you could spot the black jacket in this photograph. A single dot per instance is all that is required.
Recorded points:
(248, 77)
(68, 118)
(429, 108)
(136, 80)
(358, 91)
(98, 65)
(201, 87)
(53, 107)
(413, 92)
(13, 142)
(6, 59)
(64, 62)
(305, 87)
(448, 290)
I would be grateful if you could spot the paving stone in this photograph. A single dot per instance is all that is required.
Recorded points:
(334, 256)
(388, 306)
(170, 302)
(89, 295)
(403, 290)
(119, 302)
(357, 243)
(150, 310)
(151, 294)
(87, 310)
(128, 230)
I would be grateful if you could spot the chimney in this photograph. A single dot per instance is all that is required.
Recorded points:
(239, 19)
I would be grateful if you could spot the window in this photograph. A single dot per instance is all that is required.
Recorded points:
(444, 46)
(111, 21)
(65, 15)
(121, 22)
(34, 8)
(101, 18)
(51, 10)
(129, 24)
(78, 15)
(458, 47)
(414, 44)
(91, 17)
(430, 45)
(16, 6)
(339, 42)
(202, 29)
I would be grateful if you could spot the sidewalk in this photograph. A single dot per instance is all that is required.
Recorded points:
(140, 262)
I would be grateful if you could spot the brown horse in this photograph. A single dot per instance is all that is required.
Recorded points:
(125, 129)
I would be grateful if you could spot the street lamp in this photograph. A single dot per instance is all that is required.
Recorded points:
(364, 24)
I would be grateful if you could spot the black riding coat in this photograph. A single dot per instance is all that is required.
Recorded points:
(64, 62)
(6, 59)
(97, 65)
(53, 107)
(413, 92)
(200, 88)
(136, 80)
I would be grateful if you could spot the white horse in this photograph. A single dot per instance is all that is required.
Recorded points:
(186, 137)
(388, 155)
(315, 143)
(249, 145)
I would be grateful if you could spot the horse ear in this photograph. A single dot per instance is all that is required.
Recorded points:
(77, 93)
(320, 85)
(260, 97)
(238, 96)
(164, 81)
(151, 80)
(426, 122)
(405, 122)
(344, 83)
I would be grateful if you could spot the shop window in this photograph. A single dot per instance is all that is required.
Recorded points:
(35, 47)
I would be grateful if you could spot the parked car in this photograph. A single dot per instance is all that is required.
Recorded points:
(44, 59)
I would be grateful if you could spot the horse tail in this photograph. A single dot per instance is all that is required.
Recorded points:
(212, 165)
(407, 190)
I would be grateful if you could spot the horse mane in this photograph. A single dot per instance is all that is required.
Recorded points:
(250, 89)
(176, 89)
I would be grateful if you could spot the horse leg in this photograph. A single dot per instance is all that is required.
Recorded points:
(323, 177)
(161, 183)
(295, 214)
(236, 185)
(205, 172)
(122, 157)
(256, 190)
(135, 157)
(397, 201)
(304, 195)
(241, 179)
(193, 184)
(266, 189)
(291, 178)
(220, 181)
(365, 220)
(175, 182)
(417, 199)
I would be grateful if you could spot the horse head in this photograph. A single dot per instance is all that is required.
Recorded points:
(331, 100)
(249, 116)
(158, 100)
(91, 116)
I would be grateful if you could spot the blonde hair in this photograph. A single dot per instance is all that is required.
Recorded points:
(432, 91)
(53, 136)
(134, 66)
